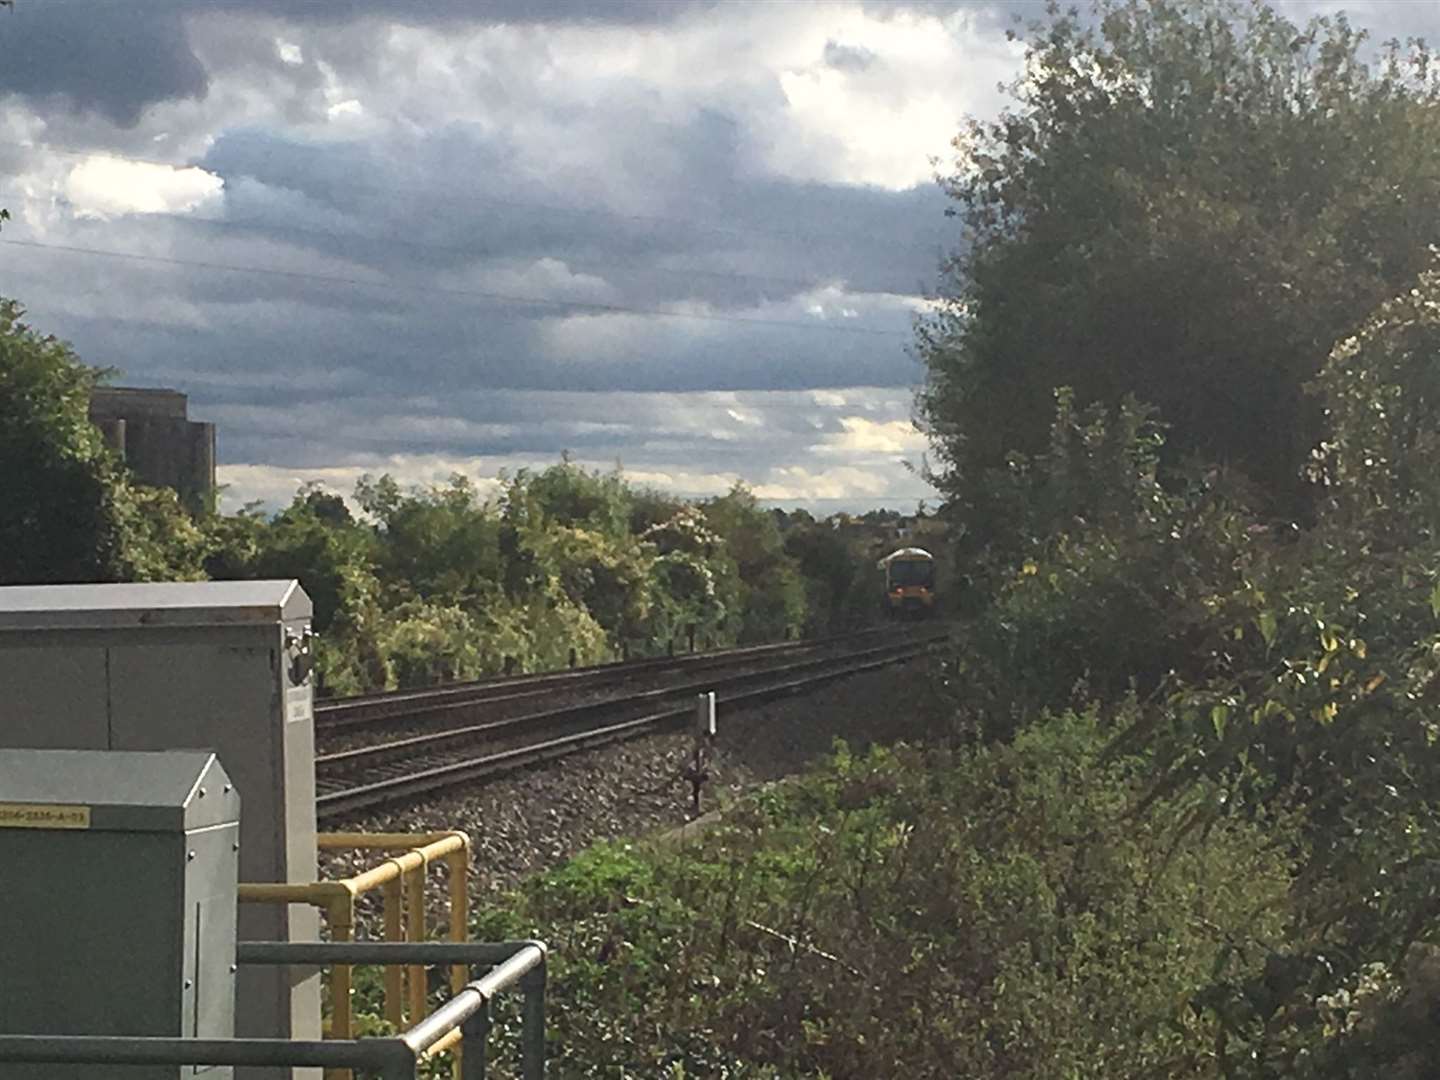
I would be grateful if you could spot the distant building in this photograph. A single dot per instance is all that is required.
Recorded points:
(160, 444)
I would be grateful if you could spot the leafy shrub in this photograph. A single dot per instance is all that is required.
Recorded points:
(427, 644)
(997, 911)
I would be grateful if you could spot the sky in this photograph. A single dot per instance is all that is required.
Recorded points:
(420, 238)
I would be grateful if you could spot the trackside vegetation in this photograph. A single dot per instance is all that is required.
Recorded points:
(995, 911)
(1214, 497)
(1180, 816)
(1183, 816)
(418, 586)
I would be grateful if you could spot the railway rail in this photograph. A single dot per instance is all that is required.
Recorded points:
(385, 709)
(401, 769)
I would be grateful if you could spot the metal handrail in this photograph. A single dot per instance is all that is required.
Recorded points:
(402, 878)
(516, 963)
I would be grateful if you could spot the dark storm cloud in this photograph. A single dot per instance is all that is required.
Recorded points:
(622, 12)
(400, 212)
(734, 239)
(113, 59)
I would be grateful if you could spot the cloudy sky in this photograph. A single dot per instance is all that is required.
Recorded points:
(421, 237)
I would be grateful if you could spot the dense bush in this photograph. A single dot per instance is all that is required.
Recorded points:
(990, 912)
(1276, 667)
(440, 583)
(1204, 207)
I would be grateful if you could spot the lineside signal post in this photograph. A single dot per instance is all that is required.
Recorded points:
(699, 769)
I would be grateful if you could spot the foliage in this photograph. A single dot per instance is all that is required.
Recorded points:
(764, 591)
(427, 644)
(1189, 201)
(837, 574)
(1189, 206)
(72, 513)
(608, 576)
(439, 544)
(163, 541)
(988, 912)
(1275, 666)
(566, 494)
(438, 583)
(562, 565)
(332, 556)
(1381, 390)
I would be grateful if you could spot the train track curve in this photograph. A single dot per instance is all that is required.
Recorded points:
(400, 769)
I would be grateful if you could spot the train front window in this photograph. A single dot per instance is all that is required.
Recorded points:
(908, 573)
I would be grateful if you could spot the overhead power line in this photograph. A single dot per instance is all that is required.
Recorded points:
(577, 306)
(261, 224)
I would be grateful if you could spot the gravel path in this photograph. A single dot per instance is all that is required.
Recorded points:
(537, 818)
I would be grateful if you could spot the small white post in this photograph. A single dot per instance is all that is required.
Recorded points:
(705, 714)
(699, 771)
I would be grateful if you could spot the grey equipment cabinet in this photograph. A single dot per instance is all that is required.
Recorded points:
(216, 665)
(117, 915)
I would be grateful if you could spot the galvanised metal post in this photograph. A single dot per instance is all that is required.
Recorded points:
(532, 1028)
(476, 1036)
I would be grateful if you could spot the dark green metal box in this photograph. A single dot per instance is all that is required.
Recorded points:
(117, 901)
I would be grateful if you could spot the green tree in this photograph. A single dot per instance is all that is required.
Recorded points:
(334, 561)
(438, 544)
(71, 512)
(769, 596)
(1189, 201)
(59, 522)
(834, 571)
(567, 494)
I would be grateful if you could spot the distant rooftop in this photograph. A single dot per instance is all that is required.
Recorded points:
(127, 401)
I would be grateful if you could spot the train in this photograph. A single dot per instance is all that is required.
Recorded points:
(909, 582)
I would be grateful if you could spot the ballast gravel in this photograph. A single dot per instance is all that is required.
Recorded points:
(537, 818)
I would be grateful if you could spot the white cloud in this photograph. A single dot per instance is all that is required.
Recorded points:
(862, 436)
(275, 485)
(796, 483)
(691, 444)
(103, 187)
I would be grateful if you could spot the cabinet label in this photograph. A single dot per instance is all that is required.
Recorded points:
(43, 816)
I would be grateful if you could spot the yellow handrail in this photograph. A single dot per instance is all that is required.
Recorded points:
(402, 877)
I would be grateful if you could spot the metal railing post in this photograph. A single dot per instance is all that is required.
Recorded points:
(473, 1042)
(415, 975)
(458, 864)
(465, 1017)
(340, 916)
(402, 879)
(394, 931)
(532, 1027)
(400, 1070)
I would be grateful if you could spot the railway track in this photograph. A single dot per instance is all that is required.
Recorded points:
(401, 769)
(371, 711)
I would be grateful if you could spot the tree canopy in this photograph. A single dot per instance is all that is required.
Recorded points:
(71, 512)
(1189, 201)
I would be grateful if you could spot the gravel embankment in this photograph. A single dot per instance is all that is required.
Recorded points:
(537, 818)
